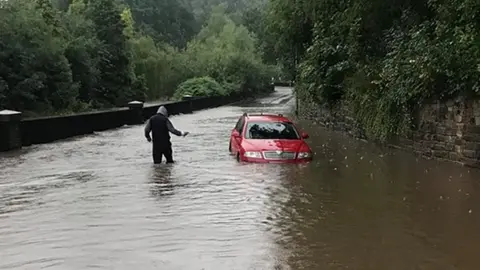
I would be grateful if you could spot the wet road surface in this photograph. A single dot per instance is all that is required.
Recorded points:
(98, 202)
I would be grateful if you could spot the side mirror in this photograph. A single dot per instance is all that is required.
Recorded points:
(235, 133)
(305, 135)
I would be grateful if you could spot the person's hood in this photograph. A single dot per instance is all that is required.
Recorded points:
(163, 111)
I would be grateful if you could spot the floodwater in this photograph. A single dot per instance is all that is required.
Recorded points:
(98, 202)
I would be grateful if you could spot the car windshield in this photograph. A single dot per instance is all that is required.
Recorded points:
(271, 130)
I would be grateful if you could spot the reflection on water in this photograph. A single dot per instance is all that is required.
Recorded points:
(99, 202)
(161, 184)
(17, 196)
(364, 209)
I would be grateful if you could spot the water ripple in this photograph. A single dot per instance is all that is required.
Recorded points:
(98, 202)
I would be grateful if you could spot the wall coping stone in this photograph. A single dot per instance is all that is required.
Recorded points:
(9, 116)
(135, 104)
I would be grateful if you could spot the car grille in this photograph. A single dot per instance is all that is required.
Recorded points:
(279, 155)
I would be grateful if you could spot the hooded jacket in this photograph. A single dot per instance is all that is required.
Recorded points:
(160, 127)
(162, 110)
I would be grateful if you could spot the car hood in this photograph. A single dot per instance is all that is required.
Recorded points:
(266, 145)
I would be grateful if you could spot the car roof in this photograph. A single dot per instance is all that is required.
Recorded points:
(265, 117)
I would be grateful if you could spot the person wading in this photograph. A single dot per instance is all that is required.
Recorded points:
(161, 127)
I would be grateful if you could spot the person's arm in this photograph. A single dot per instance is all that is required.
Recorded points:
(173, 130)
(148, 129)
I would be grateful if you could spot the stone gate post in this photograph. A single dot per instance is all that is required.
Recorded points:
(136, 112)
(10, 134)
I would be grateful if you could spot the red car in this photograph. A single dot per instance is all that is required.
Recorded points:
(268, 138)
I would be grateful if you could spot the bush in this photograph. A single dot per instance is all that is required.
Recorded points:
(199, 87)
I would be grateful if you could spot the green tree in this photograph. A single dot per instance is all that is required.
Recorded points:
(62, 5)
(34, 73)
(227, 52)
(166, 21)
(48, 12)
(162, 66)
(382, 59)
(82, 51)
(127, 19)
(115, 65)
(65, 56)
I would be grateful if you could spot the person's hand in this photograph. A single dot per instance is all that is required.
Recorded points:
(149, 139)
(185, 133)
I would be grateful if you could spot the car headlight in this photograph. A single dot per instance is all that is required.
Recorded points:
(253, 154)
(304, 155)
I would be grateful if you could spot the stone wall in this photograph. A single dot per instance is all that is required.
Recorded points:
(448, 131)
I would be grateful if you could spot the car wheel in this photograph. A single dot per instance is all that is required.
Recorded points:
(238, 157)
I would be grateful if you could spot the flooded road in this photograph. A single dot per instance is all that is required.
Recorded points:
(98, 202)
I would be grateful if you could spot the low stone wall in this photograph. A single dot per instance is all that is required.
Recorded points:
(48, 129)
(448, 131)
(16, 132)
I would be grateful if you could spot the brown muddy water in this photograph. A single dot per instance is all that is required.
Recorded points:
(98, 202)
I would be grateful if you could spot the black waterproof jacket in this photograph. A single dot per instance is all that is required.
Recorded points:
(160, 127)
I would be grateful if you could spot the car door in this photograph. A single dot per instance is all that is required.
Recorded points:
(236, 142)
